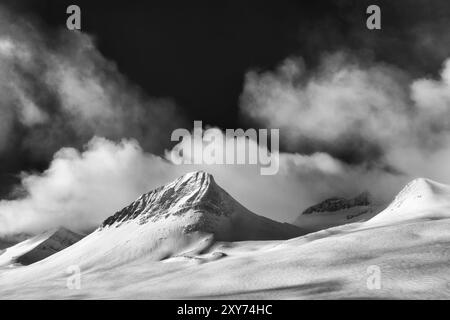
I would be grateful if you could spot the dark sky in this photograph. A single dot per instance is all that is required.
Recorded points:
(197, 52)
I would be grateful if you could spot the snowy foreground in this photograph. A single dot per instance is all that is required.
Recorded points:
(401, 253)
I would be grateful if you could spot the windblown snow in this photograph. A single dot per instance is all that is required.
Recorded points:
(190, 239)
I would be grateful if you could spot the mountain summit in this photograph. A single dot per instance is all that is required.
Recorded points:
(205, 207)
(193, 191)
(420, 199)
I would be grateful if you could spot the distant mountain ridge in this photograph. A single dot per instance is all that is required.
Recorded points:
(336, 211)
(335, 204)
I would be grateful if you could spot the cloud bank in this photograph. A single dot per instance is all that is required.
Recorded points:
(81, 189)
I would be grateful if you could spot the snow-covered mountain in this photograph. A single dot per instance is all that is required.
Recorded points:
(38, 247)
(337, 211)
(419, 199)
(203, 206)
(186, 215)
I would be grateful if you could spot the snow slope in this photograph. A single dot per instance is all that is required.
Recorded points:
(38, 247)
(332, 264)
(337, 211)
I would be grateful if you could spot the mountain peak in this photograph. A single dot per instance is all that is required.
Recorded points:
(64, 235)
(196, 180)
(421, 198)
(199, 175)
(426, 184)
(194, 203)
(194, 190)
(420, 188)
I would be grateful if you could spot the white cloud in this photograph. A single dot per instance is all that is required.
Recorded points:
(340, 100)
(344, 100)
(432, 97)
(80, 189)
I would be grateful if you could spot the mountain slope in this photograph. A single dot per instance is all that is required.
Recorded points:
(337, 211)
(419, 199)
(39, 247)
